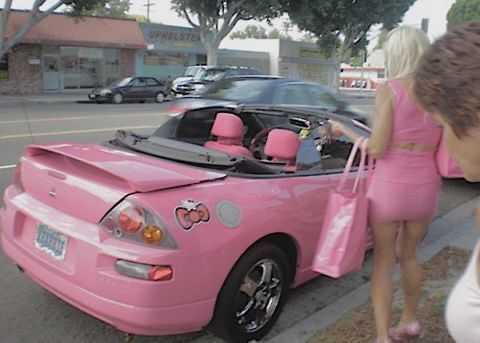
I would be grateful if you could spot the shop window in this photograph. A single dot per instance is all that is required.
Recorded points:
(160, 58)
(4, 68)
(112, 65)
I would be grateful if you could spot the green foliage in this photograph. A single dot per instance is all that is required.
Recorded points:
(276, 34)
(247, 9)
(382, 38)
(111, 8)
(79, 7)
(251, 31)
(345, 23)
(138, 17)
(258, 32)
(463, 11)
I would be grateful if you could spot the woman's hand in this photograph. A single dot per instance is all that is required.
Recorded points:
(338, 129)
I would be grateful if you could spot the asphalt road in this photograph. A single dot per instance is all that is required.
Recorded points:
(28, 313)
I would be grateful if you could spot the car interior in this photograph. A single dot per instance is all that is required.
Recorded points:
(275, 143)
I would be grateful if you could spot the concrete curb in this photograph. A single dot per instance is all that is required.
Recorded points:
(456, 228)
(40, 100)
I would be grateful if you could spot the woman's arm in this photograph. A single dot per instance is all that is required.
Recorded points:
(382, 123)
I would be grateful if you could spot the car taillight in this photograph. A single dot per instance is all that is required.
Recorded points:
(135, 223)
(144, 271)
(131, 219)
(17, 177)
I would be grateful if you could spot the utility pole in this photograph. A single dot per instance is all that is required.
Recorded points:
(147, 5)
(424, 25)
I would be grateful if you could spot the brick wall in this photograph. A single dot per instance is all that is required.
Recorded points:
(23, 78)
(127, 63)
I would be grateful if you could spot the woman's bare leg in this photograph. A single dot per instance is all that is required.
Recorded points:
(384, 238)
(408, 241)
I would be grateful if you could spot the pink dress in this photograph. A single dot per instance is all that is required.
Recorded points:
(405, 184)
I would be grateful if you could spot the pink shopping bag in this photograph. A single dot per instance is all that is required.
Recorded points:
(343, 239)
(446, 165)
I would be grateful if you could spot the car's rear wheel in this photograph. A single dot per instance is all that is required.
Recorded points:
(253, 295)
(160, 97)
(117, 98)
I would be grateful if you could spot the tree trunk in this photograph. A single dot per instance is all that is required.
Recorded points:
(337, 67)
(212, 55)
(33, 18)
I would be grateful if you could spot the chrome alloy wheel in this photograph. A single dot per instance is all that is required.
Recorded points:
(259, 295)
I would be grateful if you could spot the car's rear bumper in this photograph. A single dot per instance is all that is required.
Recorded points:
(87, 279)
(125, 317)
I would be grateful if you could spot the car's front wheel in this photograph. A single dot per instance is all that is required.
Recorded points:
(160, 97)
(117, 98)
(253, 295)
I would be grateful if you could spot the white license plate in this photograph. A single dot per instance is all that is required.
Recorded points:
(51, 242)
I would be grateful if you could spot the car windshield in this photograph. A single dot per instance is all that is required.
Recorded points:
(244, 90)
(124, 82)
(210, 74)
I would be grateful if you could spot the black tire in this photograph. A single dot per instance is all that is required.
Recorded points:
(117, 98)
(159, 97)
(225, 322)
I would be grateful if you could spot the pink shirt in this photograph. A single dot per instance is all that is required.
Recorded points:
(463, 306)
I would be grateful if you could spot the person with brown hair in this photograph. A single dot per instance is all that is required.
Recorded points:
(447, 84)
(405, 185)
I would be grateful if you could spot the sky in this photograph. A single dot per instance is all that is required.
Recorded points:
(434, 10)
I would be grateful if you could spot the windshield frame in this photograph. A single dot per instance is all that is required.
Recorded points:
(124, 82)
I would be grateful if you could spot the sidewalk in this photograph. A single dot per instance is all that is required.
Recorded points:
(44, 98)
(456, 229)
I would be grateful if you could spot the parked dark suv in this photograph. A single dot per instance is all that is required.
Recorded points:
(211, 74)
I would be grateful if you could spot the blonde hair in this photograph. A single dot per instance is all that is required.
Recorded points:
(403, 48)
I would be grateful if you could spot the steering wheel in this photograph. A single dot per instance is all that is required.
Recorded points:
(257, 144)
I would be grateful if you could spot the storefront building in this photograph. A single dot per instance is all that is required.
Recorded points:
(292, 59)
(170, 49)
(61, 54)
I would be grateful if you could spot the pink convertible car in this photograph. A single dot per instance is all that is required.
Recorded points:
(208, 222)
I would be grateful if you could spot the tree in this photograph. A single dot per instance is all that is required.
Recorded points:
(112, 8)
(342, 25)
(74, 8)
(276, 34)
(215, 19)
(463, 11)
(138, 17)
(251, 31)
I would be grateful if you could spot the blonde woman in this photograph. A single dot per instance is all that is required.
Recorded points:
(405, 186)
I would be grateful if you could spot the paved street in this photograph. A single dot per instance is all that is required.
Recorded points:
(31, 314)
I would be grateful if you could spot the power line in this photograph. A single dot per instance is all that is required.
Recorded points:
(148, 5)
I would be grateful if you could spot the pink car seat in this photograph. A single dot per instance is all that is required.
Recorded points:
(228, 128)
(283, 146)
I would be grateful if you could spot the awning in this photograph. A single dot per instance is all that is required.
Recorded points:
(60, 29)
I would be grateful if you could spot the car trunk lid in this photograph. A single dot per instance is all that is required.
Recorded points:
(87, 180)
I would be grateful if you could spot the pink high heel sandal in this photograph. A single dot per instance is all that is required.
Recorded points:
(405, 330)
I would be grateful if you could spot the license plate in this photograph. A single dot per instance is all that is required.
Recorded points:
(51, 242)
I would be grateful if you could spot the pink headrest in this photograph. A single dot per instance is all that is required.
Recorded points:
(282, 144)
(227, 125)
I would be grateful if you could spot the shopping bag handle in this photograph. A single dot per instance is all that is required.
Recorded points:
(358, 143)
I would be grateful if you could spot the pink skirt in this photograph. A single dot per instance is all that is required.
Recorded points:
(405, 186)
